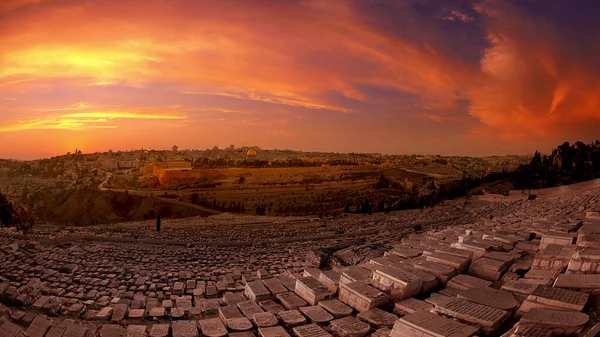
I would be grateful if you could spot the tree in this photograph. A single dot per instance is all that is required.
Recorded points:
(242, 179)
(194, 198)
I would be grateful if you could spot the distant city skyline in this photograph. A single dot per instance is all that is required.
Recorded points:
(448, 77)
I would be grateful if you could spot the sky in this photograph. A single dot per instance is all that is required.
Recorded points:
(449, 77)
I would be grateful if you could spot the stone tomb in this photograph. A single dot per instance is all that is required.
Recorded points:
(554, 298)
(586, 261)
(310, 330)
(488, 318)
(426, 324)
(311, 290)
(275, 331)
(336, 308)
(290, 300)
(488, 269)
(292, 318)
(212, 327)
(561, 322)
(464, 282)
(331, 279)
(264, 319)
(410, 306)
(490, 297)
(378, 318)
(356, 274)
(316, 314)
(349, 327)
(256, 291)
(581, 282)
(362, 296)
(519, 289)
(184, 329)
(274, 286)
(398, 283)
(249, 308)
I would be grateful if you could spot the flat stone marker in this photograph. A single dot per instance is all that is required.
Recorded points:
(271, 306)
(464, 282)
(119, 312)
(361, 296)
(316, 314)
(229, 312)
(519, 287)
(336, 308)
(39, 326)
(486, 317)
(491, 297)
(410, 306)
(274, 286)
(230, 298)
(457, 262)
(426, 324)
(292, 318)
(160, 330)
(542, 274)
(349, 327)
(581, 282)
(291, 301)
(77, 331)
(554, 298)
(249, 308)
(136, 313)
(239, 324)
(242, 334)
(256, 291)
(157, 312)
(212, 327)
(311, 290)
(104, 313)
(56, 331)
(310, 330)
(264, 319)
(570, 322)
(378, 318)
(112, 330)
(275, 331)
(136, 331)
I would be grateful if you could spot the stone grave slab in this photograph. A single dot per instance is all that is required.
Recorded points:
(356, 274)
(160, 330)
(136, 313)
(349, 327)
(256, 291)
(316, 314)
(112, 330)
(554, 298)
(336, 308)
(362, 296)
(274, 331)
(39, 326)
(410, 306)
(564, 322)
(136, 331)
(331, 279)
(271, 306)
(519, 289)
(581, 282)
(426, 324)
(274, 286)
(399, 283)
(491, 297)
(292, 318)
(310, 330)
(378, 318)
(119, 312)
(311, 290)
(291, 301)
(77, 331)
(212, 327)
(239, 324)
(488, 269)
(228, 312)
(464, 282)
(264, 319)
(488, 318)
(249, 308)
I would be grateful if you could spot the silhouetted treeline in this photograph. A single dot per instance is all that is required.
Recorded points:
(12, 214)
(226, 206)
(566, 165)
(257, 163)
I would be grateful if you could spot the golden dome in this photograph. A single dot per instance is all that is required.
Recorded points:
(251, 153)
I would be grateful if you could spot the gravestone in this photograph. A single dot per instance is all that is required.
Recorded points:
(292, 318)
(426, 324)
(410, 306)
(488, 318)
(336, 308)
(212, 327)
(316, 314)
(378, 318)
(310, 330)
(349, 327)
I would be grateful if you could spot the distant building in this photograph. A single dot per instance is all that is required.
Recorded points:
(251, 155)
(175, 149)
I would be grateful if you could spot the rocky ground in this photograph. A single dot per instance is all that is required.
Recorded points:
(512, 268)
